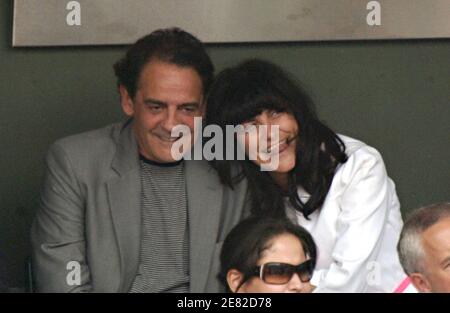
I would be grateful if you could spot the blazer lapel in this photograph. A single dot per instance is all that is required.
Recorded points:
(124, 191)
(204, 192)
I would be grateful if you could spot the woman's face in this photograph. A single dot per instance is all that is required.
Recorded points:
(285, 248)
(267, 142)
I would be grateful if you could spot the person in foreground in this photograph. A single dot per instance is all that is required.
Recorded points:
(117, 212)
(424, 248)
(267, 255)
(333, 185)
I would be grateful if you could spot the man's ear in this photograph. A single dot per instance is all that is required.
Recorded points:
(126, 101)
(234, 279)
(420, 282)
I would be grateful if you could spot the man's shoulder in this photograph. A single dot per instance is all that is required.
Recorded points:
(93, 140)
(91, 148)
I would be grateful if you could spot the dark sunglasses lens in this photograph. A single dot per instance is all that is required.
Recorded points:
(280, 273)
(305, 271)
(277, 274)
(305, 276)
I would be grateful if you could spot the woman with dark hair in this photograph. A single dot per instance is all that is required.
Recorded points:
(333, 185)
(267, 255)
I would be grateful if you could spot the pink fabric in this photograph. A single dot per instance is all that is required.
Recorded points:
(403, 285)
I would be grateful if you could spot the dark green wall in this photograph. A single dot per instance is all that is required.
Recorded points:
(394, 95)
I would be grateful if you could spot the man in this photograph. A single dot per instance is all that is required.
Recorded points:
(117, 212)
(424, 248)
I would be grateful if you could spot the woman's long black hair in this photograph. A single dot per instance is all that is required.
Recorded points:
(243, 92)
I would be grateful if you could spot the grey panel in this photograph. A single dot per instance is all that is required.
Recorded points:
(43, 22)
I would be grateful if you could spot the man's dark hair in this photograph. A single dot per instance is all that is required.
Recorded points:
(247, 241)
(171, 45)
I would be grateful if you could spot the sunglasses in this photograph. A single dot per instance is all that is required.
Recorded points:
(281, 273)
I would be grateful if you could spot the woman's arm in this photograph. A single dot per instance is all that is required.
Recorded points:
(365, 203)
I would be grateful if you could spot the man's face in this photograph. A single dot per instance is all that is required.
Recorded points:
(167, 95)
(436, 245)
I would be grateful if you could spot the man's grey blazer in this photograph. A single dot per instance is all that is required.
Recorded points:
(90, 212)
